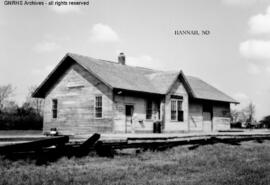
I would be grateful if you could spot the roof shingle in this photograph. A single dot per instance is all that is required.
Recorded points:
(145, 80)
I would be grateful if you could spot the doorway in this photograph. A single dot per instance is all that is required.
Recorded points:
(207, 117)
(129, 114)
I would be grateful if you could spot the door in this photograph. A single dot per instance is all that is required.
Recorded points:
(207, 117)
(207, 121)
(129, 115)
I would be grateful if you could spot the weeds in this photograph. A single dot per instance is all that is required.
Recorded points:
(248, 163)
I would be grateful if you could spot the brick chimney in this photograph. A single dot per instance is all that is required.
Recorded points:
(122, 59)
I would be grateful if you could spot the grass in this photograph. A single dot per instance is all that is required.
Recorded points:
(248, 163)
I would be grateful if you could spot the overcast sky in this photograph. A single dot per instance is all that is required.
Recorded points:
(235, 57)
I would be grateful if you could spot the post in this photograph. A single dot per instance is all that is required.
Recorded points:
(162, 113)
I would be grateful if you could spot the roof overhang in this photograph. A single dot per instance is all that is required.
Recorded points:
(39, 92)
(120, 91)
(69, 59)
(183, 79)
(213, 100)
(57, 72)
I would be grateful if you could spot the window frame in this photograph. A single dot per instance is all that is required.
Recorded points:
(54, 108)
(175, 110)
(98, 105)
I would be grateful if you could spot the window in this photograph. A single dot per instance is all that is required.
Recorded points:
(180, 113)
(98, 107)
(149, 110)
(54, 108)
(173, 110)
(177, 114)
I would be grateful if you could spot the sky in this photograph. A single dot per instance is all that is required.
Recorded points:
(234, 57)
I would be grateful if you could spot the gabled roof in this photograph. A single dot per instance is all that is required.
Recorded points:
(203, 90)
(118, 76)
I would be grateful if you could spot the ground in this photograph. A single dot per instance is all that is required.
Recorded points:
(20, 132)
(248, 163)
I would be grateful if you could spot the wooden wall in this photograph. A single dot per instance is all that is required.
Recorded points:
(220, 116)
(195, 116)
(175, 126)
(75, 92)
(139, 121)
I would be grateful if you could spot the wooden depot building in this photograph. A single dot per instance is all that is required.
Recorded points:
(85, 95)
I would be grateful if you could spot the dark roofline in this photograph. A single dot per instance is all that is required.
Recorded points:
(137, 92)
(37, 94)
(89, 70)
(185, 82)
(231, 101)
(112, 62)
(41, 92)
(204, 99)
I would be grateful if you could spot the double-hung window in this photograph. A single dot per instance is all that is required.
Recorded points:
(98, 106)
(177, 114)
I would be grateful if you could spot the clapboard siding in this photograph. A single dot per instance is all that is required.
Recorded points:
(76, 89)
(221, 110)
(175, 126)
(195, 116)
(220, 116)
(139, 121)
(75, 92)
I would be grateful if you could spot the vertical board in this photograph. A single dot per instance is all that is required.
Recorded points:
(139, 121)
(178, 89)
(75, 92)
(195, 116)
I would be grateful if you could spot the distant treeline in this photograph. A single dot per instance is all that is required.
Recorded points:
(21, 118)
(15, 117)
